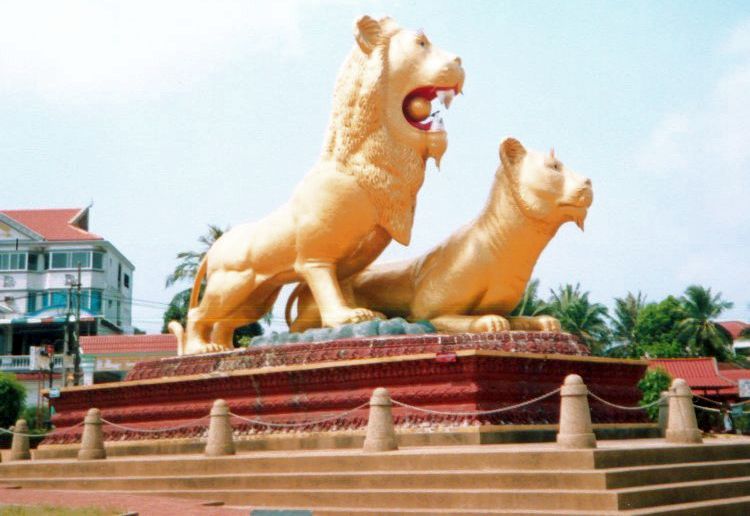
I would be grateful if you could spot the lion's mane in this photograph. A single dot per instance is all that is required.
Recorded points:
(358, 140)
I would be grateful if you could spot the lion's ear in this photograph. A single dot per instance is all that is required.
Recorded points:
(367, 32)
(511, 152)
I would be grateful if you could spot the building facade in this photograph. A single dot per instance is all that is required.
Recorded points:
(40, 255)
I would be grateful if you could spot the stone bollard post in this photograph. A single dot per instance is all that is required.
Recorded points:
(682, 427)
(575, 416)
(380, 433)
(92, 442)
(220, 439)
(19, 449)
(663, 412)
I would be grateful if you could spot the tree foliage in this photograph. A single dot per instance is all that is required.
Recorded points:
(626, 314)
(580, 316)
(12, 396)
(697, 331)
(656, 330)
(653, 383)
(531, 304)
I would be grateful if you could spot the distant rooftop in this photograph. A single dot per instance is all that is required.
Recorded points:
(735, 328)
(129, 344)
(55, 225)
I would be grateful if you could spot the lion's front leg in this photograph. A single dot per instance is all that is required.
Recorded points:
(334, 310)
(455, 323)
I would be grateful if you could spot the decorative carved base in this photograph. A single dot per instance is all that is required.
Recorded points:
(303, 382)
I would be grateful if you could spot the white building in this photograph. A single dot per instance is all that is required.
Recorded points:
(40, 251)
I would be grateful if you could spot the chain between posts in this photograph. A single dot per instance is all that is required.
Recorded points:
(476, 412)
(623, 407)
(8, 431)
(301, 424)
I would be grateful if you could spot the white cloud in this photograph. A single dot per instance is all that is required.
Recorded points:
(709, 147)
(77, 49)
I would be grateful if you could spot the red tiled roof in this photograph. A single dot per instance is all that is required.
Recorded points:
(734, 327)
(699, 373)
(129, 344)
(53, 224)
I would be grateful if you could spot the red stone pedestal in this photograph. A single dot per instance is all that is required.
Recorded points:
(307, 381)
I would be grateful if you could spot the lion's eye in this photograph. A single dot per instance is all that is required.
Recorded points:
(555, 165)
(421, 43)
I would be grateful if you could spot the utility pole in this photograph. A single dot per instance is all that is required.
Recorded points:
(77, 341)
(67, 336)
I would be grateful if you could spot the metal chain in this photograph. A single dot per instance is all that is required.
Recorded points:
(155, 430)
(623, 407)
(707, 399)
(707, 409)
(304, 423)
(8, 431)
(476, 412)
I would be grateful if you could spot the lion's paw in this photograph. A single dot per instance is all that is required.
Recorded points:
(197, 347)
(352, 316)
(547, 323)
(493, 323)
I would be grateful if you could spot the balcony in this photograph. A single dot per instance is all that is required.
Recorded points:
(22, 363)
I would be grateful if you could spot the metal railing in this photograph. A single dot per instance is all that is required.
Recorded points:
(18, 363)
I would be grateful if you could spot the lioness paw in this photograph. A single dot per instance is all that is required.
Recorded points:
(491, 323)
(548, 323)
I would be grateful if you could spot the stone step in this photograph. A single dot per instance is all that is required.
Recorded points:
(682, 492)
(355, 511)
(473, 458)
(735, 506)
(446, 479)
(476, 499)
(685, 472)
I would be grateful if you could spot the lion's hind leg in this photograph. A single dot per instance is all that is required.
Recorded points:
(535, 323)
(250, 311)
(225, 292)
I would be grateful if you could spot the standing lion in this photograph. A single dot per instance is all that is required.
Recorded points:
(360, 194)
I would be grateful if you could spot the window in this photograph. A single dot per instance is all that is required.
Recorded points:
(31, 302)
(96, 302)
(126, 280)
(59, 298)
(60, 260)
(119, 274)
(81, 258)
(97, 260)
(12, 261)
(33, 262)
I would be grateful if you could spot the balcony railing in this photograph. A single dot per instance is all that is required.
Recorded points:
(18, 363)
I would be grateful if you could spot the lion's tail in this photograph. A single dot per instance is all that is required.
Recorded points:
(175, 327)
(293, 297)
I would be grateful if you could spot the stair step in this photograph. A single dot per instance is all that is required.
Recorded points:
(684, 472)
(477, 499)
(356, 511)
(737, 506)
(444, 479)
(682, 492)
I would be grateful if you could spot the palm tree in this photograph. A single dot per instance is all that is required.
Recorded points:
(186, 270)
(531, 304)
(624, 321)
(580, 316)
(189, 261)
(697, 331)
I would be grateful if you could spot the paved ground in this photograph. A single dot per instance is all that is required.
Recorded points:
(143, 505)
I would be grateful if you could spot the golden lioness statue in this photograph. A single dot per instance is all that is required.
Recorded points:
(360, 194)
(473, 280)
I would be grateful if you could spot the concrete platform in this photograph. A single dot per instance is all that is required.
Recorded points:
(644, 476)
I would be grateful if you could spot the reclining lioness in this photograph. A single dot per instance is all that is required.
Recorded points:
(472, 281)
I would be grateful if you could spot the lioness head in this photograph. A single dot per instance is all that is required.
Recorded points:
(544, 188)
(389, 82)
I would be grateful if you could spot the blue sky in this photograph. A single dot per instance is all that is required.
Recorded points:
(172, 115)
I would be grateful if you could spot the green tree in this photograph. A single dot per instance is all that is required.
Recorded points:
(697, 331)
(624, 321)
(653, 383)
(12, 396)
(186, 269)
(531, 304)
(580, 316)
(656, 329)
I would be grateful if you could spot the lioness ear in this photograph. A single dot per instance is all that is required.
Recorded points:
(367, 32)
(511, 152)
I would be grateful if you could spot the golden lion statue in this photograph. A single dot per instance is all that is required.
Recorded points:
(473, 280)
(360, 194)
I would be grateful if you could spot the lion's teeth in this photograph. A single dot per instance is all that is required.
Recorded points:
(446, 97)
(437, 124)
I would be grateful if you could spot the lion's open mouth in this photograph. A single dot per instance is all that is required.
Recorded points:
(417, 106)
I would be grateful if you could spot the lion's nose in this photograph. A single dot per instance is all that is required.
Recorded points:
(457, 60)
